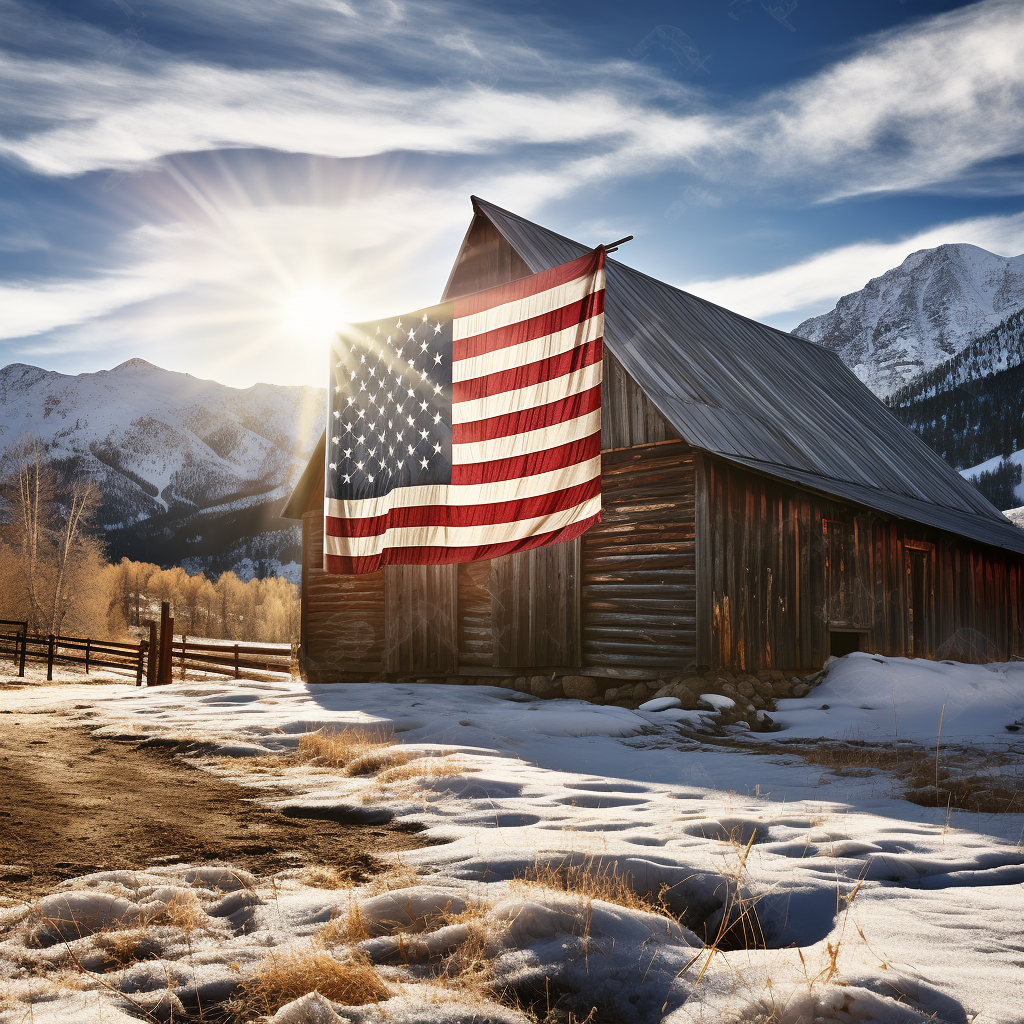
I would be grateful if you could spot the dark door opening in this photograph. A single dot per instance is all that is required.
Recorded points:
(841, 643)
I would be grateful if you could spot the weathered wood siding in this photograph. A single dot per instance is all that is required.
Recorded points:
(638, 594)
(421, 623)
(628, 417)
(485, 260)
(535, 607)
(342, 616)
(793, 573)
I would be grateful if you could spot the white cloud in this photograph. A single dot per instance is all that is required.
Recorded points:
(916, 107)
(822, 279)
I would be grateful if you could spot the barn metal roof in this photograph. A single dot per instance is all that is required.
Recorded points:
(765, 399)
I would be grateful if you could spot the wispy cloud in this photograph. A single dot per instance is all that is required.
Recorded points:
(820, 280)
(914, 107)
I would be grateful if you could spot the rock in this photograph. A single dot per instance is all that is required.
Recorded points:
(579, 687)
(545, 687)
(507, 684)
(801, 690)
(665, 691)
(745, 688)
(522, 684)
(757, 701)
(640, 692)
(661, 704)
(615, 693)
(684, 693)
(718, 702)
(783, 689)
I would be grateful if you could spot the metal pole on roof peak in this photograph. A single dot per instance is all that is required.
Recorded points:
(612, 246)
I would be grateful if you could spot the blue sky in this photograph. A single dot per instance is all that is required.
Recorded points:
(213, 184)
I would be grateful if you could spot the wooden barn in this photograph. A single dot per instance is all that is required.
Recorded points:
(762, 510)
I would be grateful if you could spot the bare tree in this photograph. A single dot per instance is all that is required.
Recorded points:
(84, 500)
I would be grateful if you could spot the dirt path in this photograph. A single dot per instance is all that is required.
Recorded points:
(71, 804)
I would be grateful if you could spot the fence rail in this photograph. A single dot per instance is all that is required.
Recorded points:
(228, 659)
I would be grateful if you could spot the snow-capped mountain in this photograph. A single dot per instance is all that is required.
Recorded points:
(920, 313)
(189, 469)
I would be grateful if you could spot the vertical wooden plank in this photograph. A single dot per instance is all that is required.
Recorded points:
(704, 558)
(421, 603)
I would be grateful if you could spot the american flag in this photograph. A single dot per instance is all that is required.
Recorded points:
(470, 429)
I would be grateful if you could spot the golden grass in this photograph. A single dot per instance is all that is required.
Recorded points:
(282, 977)
(325, 877)
(397, 876)
(184, 911)
(422, 768)
(337, 749)
(344, 928)
(374, 760)
(588, 879)
(959, 779)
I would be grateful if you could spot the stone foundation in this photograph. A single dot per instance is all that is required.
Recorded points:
(754, 693)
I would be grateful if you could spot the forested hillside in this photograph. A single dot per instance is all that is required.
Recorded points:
(970, 408)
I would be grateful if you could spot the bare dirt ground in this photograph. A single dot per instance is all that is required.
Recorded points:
(71, 804)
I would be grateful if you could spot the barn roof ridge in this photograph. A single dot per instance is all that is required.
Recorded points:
(813, 423)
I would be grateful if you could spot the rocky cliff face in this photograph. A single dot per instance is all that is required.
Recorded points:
(920, 313)
(190, 470)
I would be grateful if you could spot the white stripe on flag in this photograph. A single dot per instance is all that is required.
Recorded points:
(528, 351)
(460, 536)
(526, 398)
(528, 441)
(524, 309)
(465, 494)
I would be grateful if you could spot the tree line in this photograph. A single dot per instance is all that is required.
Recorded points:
(55, 575)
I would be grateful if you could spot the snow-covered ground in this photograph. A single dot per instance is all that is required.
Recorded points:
(864, 907)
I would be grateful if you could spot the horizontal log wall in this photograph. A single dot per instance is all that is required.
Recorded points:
(638, 593)
(342, 616)
(793, 573)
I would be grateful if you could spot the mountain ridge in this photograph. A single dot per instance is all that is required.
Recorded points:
(919, 314)
(178, 459)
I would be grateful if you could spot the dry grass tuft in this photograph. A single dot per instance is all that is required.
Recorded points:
(344, 928)
(965, 780)
(588, 879)
(283, 977)
(337, 749)
(422, 768)
(123, 948)
(374, 760)
(184, 911)
(326, 877)
(397, 876)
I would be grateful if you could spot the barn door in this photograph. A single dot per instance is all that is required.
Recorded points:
(535, 607)
(920, 641)
(421, 624)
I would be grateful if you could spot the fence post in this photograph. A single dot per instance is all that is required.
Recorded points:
(166, 639)
(88, 643)
(152, 662)
(184, 641)
(49, 659)
(24, 644)
(138, 670)
(237, 675)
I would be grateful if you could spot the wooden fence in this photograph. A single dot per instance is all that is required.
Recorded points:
(224, 658)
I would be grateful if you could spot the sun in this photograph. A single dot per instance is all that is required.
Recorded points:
(314, 314)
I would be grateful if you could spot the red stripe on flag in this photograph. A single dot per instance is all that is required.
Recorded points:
(445, 556)
(527, 330)
(564, 455)
(528, 419)
(464, 515)
(467, 305)
(526, 376)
